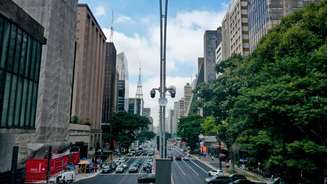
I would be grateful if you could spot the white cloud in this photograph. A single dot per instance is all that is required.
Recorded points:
(100, 11)
(123, 19)
(184, 46)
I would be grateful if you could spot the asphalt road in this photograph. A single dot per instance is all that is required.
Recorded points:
(183, 172)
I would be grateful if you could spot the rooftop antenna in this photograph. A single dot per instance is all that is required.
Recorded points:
(112, 28)
(139, 86)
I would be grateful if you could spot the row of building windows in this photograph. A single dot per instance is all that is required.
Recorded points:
(19, 76)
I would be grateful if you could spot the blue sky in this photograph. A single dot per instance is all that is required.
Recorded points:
(136, 25)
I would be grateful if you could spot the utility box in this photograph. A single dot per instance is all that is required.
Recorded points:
(163, 171)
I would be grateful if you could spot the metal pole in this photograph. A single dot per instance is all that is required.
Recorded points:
(162, 101)
(14, 165)
(49, 163)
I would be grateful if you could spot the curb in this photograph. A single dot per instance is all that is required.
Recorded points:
(88, 177)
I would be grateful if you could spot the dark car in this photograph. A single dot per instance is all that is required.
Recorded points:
(218, 180)
(243, 181)
(179, 157)
(235, 177)
(107, 169)
(148, 178)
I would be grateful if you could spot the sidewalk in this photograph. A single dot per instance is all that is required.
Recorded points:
(214, 164)
(80, 177)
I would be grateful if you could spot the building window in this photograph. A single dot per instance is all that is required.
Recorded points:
(19, 76)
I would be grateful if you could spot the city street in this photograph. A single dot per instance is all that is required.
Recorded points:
(183, 172)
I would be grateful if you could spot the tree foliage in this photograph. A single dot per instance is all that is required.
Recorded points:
(273, 102)
(188, 129)
(125, 128)
(146, 136)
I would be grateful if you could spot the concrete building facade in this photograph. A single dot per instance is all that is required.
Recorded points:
(147, 113)
(264, 15)
(210, 44)
(58, 17)
(182, 107)
(21, 40)
(109, 105)
(89, 72)
(225, 44)
(187, 97)
(235, 29)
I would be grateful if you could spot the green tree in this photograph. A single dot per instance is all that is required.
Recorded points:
(125, 128)
(146, 136)
(189, 128)
(273, 102)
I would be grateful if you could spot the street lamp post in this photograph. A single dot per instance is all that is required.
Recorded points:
(162, 89)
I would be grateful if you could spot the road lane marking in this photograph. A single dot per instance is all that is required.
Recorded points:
(180, 168)
(198, 166)
(190, 167)
(172, 180)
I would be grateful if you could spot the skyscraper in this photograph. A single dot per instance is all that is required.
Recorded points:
(235, 29)
(210, 44)
(109, 106)
(187, 97)
(122, 94)
(89, 72)
(182, 107)
(264, 15)
(147, 113)
(135, 106)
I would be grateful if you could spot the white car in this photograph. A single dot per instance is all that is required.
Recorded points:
(218, 172)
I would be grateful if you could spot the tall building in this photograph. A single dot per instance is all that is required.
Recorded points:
(89, 72)
(172, 129)
(187, 97)
(147, 113)
(56, 70)
(109, 106)
(122, 94)
(210, 44)
(218, 50)
(176, 115)
(182, 107)
(135, 106)
(218, 54)
(235, 29)
(200, 74)
(264, 15)
(225, 44)
(21, 40)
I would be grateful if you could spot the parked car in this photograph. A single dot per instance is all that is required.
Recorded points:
(133, 169)
(244, 181)
(107, 169)
(218, 180)
(218, 172)
(119, 169)
(147, 178)
(235, 177)
(66, 177)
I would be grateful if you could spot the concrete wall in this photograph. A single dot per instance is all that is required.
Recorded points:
(58, 17)
(79, 133)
